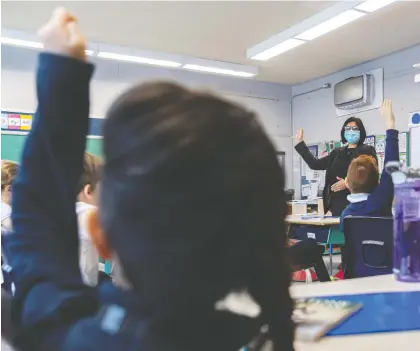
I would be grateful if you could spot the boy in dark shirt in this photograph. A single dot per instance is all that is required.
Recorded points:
(368, 198)
(191, 205)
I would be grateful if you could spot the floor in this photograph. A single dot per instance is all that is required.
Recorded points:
(336, 260)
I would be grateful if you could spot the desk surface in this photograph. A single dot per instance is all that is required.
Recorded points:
(406, 341)
(297, 219)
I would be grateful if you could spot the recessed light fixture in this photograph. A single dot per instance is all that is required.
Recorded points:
(373, 5)
(330, 25)
(217, 70)
(138, 59)
(416, 65)
(278, 49)
(417, 78)
(21, 43)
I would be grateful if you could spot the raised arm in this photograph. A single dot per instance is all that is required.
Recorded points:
(384, 193)
(318, 164)
(45, 241)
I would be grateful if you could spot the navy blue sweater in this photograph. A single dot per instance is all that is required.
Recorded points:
(53, 309)
(379, 203)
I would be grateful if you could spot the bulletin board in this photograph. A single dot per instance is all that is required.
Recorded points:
(16, 125)
(403, 145)
(12, 146)
(313, 178)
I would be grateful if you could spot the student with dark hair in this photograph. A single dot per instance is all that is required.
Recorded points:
(368, 198)
(86, 202)
(192, 205)
(335, 193)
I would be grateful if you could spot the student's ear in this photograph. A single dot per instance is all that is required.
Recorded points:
(87, 191)
(7, 193)
(347, 183)
(97, 235)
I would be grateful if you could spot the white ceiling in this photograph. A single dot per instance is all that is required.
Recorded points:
(224, 30)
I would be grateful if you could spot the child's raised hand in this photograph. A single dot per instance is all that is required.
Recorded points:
(387, 114)
(60, 35)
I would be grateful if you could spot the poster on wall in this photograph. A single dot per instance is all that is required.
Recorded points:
(370, 140)
(21, 123)
(403, 145)
(380, 151)
(402, 142)
(380, 144)
(307, 171)
(16, 121)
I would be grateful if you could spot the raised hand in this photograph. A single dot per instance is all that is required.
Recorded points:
(60, 35)
(299, 135)
(387, 114)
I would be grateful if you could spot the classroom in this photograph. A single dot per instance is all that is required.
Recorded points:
(266, 173)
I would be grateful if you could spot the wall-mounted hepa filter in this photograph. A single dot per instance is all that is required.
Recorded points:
(359, 93)
(354, 92)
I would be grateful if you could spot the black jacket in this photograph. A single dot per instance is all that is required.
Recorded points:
(327, 163)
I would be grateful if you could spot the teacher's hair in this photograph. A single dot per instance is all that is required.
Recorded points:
(361, 128)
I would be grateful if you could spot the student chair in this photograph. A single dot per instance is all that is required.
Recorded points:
(335, 237)
(369, 246)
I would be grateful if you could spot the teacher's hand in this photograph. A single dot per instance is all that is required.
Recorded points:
(299, 135)
(339, 186)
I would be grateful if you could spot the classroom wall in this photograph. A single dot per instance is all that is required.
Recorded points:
(315, 112)
(270, 101)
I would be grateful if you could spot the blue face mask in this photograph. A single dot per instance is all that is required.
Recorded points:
(352, 136)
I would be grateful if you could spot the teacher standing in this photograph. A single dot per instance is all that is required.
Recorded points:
(353, 134)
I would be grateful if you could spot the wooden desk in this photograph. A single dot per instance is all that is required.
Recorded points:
(407, 341)
(297, 219)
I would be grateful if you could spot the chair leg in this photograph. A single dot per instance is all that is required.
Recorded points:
(331, 269)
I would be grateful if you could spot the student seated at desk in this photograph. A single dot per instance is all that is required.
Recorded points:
(368, 198)
(86, 202)
(9, 172)
(191, 203)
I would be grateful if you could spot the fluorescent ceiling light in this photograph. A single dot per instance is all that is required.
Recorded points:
(218, 70)
(417, 78)
(30, 44)
(138, 59)
(373, 5)
(22, 43)
(278, 49)
(330, 25)
(416, 65)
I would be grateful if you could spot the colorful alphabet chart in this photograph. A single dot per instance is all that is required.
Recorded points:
(21, 123)
(16, 121)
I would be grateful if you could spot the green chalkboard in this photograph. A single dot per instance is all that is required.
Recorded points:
(12, 146)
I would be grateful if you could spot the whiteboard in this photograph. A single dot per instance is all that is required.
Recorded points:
(415, 147)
